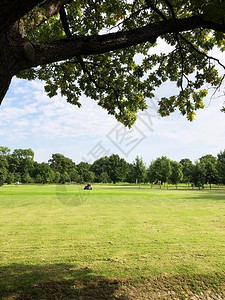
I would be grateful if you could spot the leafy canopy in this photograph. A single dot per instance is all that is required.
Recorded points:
(122, 80)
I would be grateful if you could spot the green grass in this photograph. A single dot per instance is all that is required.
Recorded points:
(62, 242)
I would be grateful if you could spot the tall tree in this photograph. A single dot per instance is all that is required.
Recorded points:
(5, 175)
(139, 169)
(23, 162)
(100, 168)
(221, 166)
(187, 169)
(90, 46)
(160, 170)
(3, 169)
(118, 168)
(211, 168)
(199, 174)
(86, 175)
(130, 174)
(4, 150)
(60, 163)
(43, 173)
(176, 173)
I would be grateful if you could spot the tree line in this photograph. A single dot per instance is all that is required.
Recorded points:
(19, 166)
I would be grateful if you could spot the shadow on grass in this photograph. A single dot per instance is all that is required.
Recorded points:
(60, 281)
(64, 281)
(210, 195)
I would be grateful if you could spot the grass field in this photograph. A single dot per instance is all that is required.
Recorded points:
(60, 242)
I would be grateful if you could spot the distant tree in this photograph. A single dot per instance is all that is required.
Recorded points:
(118, 168)
(187, 169)
(210, 163)
(22, 162)
(104, 177)
(17, 177)
(10, 178)
(90, 177)
(99, 167)
(139, 169)
(38, 178)
(199, 174)
(3, 169)
(151, 174)
(57, 177)
(176, 172)
(130, 173)
(3, 176)
(73, 175)
(221, 166)
(44, 173)
(26, 154)
(14, 163)
(83, 169)
(26, 178)
(4, 150)
(60, 163)
(64, 177)
(79, 179)
(160, 170)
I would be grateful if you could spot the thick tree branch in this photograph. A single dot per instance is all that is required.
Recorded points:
(97, 44)
(11, 11)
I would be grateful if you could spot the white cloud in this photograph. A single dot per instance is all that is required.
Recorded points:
(51, 118)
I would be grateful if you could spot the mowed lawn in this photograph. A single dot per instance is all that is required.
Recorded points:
(61, 242)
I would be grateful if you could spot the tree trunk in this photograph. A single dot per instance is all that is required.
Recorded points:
(4, 84)
(14, 56)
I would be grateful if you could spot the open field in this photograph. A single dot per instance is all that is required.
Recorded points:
(60, 242)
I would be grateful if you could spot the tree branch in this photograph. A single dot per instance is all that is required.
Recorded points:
(64, 21)
(182, 60)
(106, 85)
(52, 7)
(97, 44)
(86, 71)
(155, 9)
(11, 11)
(170, 7)
(200, 52)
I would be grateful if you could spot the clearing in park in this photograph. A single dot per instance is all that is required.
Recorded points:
(114, 242)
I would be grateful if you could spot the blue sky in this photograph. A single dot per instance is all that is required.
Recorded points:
(29, 119)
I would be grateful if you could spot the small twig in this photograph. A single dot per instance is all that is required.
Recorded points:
(86, 71)
(182, 61)
(217, 88)
(155, 9)
(200, 52)
(171, 8)
(128, 18)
